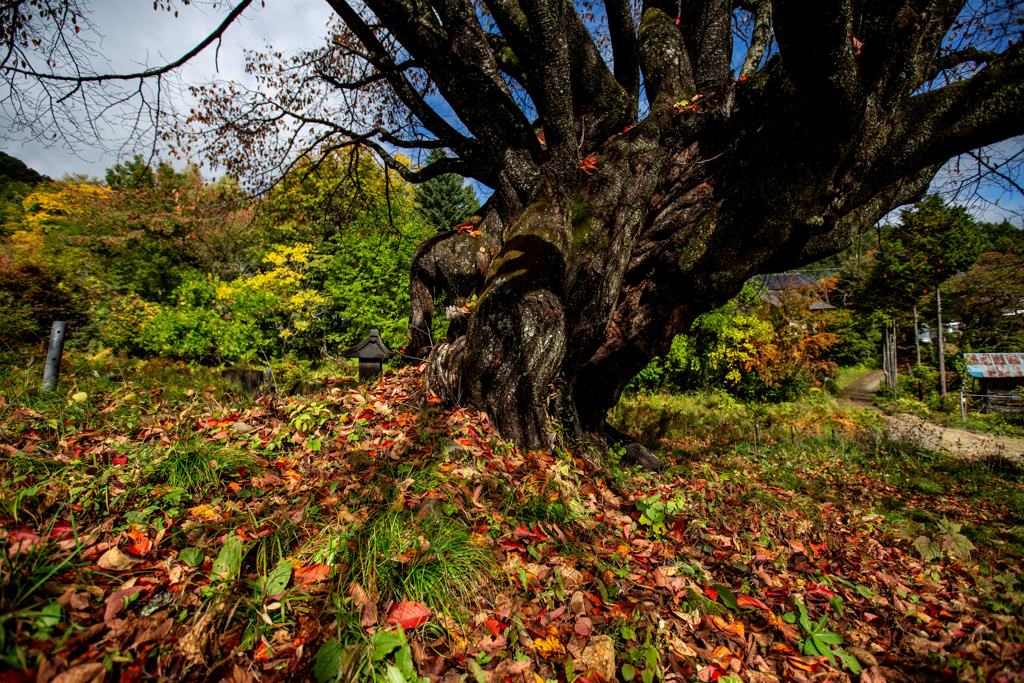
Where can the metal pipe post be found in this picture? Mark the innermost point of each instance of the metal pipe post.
(51, 371)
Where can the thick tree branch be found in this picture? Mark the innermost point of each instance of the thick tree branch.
(760, 37)
(596, 92)
(551, 70)
(708, 35)
(622, 32)
(802, 249)
(460, 64)
(938, 125)
(506, 59)
(668, 76)
(955, 59)
(383, 62)
(895, 57)
(814, 38)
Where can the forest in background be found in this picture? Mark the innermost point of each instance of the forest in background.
(151, 261)
(157, 262)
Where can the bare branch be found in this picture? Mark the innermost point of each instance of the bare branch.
(148, 73)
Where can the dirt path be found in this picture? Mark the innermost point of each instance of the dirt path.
(935, 437)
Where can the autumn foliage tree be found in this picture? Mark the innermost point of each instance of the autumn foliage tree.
(641, 175)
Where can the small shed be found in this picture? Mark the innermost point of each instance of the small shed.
(1000, 376)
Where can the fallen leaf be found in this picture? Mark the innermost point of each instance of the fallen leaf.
(409, 614)
(116, 601)
(138, 544)
(116, 561)
(93, 672)
(313, 573)
(365, 605)
(746, 601)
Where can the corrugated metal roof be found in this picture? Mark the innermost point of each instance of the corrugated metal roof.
(783, 281)
(995, 364)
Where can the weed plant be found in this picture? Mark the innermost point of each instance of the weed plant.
(435, 561)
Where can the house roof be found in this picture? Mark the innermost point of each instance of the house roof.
(782, 281)
(989, 365)
(371, 348)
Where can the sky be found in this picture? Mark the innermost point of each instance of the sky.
(134, 35)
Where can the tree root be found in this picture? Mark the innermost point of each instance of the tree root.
(636, 453)
(443, 375)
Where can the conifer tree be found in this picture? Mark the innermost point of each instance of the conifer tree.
(443, 201)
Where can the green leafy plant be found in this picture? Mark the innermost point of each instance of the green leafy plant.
(29, 572)
(948, 540)
(656, 512)
(644, 663)
(435, 562)
(818, 641)
(366, 660)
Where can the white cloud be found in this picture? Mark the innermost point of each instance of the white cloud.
(135, 35)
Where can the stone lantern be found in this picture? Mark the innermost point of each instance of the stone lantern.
(371, 352)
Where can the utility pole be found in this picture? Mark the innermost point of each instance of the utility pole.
(942, 345)
(917, 338)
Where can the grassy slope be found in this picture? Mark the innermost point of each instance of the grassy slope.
(155, 532)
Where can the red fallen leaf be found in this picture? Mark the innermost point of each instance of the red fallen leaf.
(139, 545)
(742, 79)
(820, 592)
(61, 528)
(710, 592)
(433, 399)
(120, 460)
(526, 532)
(494, 626)
(589, 165)
(23, 534)
(746, 601)
(313, 573)
(409, 614)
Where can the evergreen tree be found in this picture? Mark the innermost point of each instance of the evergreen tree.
(1005, 238)
(932, 242)
(443, 201)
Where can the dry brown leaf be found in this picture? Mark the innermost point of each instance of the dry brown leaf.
(93, 672)
(365, 605)
(116, 561)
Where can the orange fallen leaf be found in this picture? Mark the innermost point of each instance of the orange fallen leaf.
(263, 653)
(724, 626)
(313, 573)
(138, 544)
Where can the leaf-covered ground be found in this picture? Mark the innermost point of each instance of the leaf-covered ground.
(154, 532)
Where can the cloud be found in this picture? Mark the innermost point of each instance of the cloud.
(132, 35)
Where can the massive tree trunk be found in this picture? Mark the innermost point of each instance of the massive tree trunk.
(607, 235)
(593, 277)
